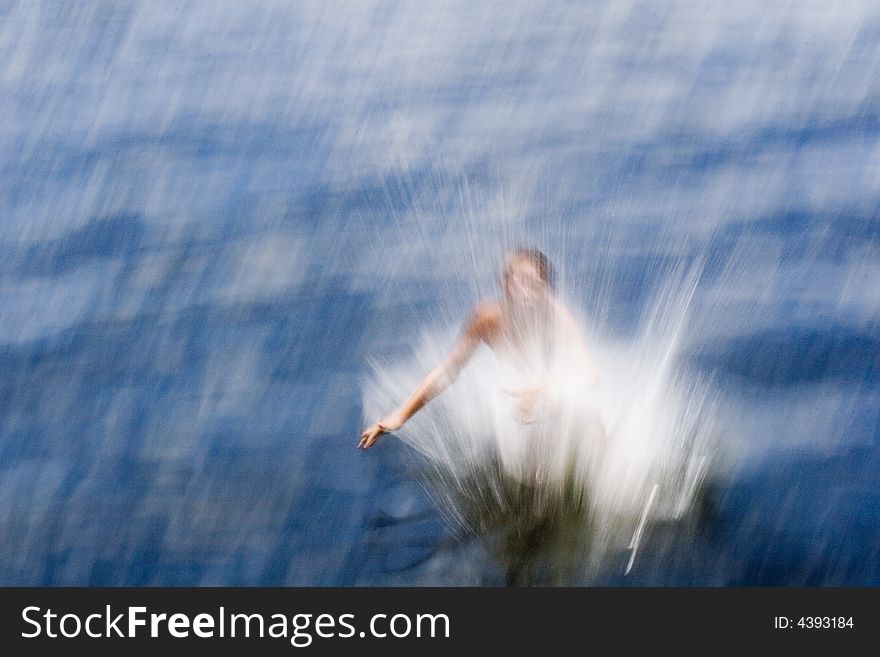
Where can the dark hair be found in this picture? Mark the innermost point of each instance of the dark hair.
(540, 262)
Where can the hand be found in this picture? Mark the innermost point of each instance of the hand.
(371, 434)
(530, 404)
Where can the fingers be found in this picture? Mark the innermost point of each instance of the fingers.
(527, 417)
(367, 438)
(525, 393)
(370, 436)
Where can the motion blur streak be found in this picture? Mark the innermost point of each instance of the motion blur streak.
(215, 215)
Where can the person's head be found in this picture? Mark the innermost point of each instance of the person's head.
(527, 277)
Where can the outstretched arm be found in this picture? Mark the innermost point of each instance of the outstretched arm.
(475, 329)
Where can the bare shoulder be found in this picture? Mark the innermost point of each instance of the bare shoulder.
(564, 314)
(485, 319)
(568, 321)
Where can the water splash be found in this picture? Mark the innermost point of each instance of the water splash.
(566, 492)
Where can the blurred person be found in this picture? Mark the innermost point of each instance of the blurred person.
(525, 329)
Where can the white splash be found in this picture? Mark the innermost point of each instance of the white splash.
(642, 432)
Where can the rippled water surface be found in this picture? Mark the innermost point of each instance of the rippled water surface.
(215, 215)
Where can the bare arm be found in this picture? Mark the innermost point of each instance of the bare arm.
(532, 400)
(582, 352)
(478, 327)
(591, 371)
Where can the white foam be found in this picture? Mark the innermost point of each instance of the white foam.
(644, 430)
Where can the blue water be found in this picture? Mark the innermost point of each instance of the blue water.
(213, 213)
